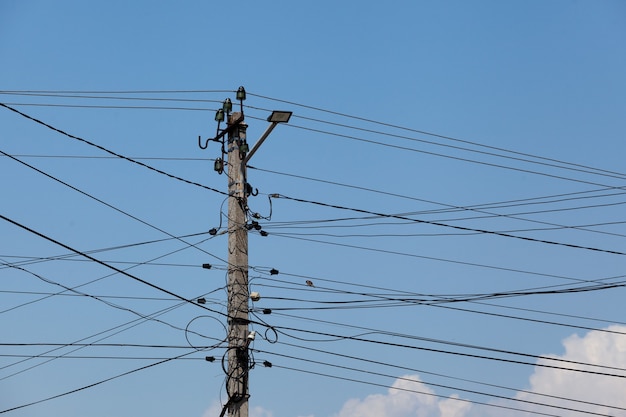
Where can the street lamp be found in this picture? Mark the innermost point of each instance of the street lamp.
(279, 116)
(275, 118)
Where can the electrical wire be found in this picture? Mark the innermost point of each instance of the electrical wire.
(491, 395)
(117, 270)
(422, 371)
(108, 205)
(336, 337)
(457, 227)
(73, 391)
(436, 135)
(343, 378)
(111, 152)
(446, 297)
(541, 160)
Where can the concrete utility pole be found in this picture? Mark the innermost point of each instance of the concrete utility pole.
(238, 358)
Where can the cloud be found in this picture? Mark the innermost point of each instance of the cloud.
(408, 396)
(605, 348)
(214, 410)
(260, 412)
(598, 348)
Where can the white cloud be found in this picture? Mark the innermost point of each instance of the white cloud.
(598, 348)
(214, 410)
(260, 412)
(408, 396)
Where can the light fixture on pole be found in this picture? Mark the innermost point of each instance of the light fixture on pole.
(275, 118)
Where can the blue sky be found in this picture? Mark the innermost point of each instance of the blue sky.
(465, 151)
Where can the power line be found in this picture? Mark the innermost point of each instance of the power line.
(492, 395)
(456, 158)
(450, 138)
(434, 223)
(550, 161)
(421, 371)
(107, 204)
(577, 167)
(432, 258)
(282, 330)
(96, 383)
(117, 270)
(111, 152)
(342, 378)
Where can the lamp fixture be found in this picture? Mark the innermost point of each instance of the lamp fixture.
(279, 116)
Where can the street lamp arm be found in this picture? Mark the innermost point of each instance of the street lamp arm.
(259, 142)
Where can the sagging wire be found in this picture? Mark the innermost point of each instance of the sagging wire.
(203, 348)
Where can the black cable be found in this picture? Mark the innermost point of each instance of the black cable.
(94, 297)
(450, 138)
(317, 373)
(438, 299)
(456, 208)
(501, 397)
(117, 270)
(586, 170)
(432, 223)
(456, 158)
(96, 383)
(28, 260)
(444, 298)
(281, 330)
(94, 106)
(113, 91)
(107, 204)
(111, 152)
(95, 344)
(138, 158)
(123, 327)
(421, 371)
(82, 96)
(412, 255)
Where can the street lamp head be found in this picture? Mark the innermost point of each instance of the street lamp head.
(279, 116)
(241, 94)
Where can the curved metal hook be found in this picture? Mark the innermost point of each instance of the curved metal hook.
(206, 144)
